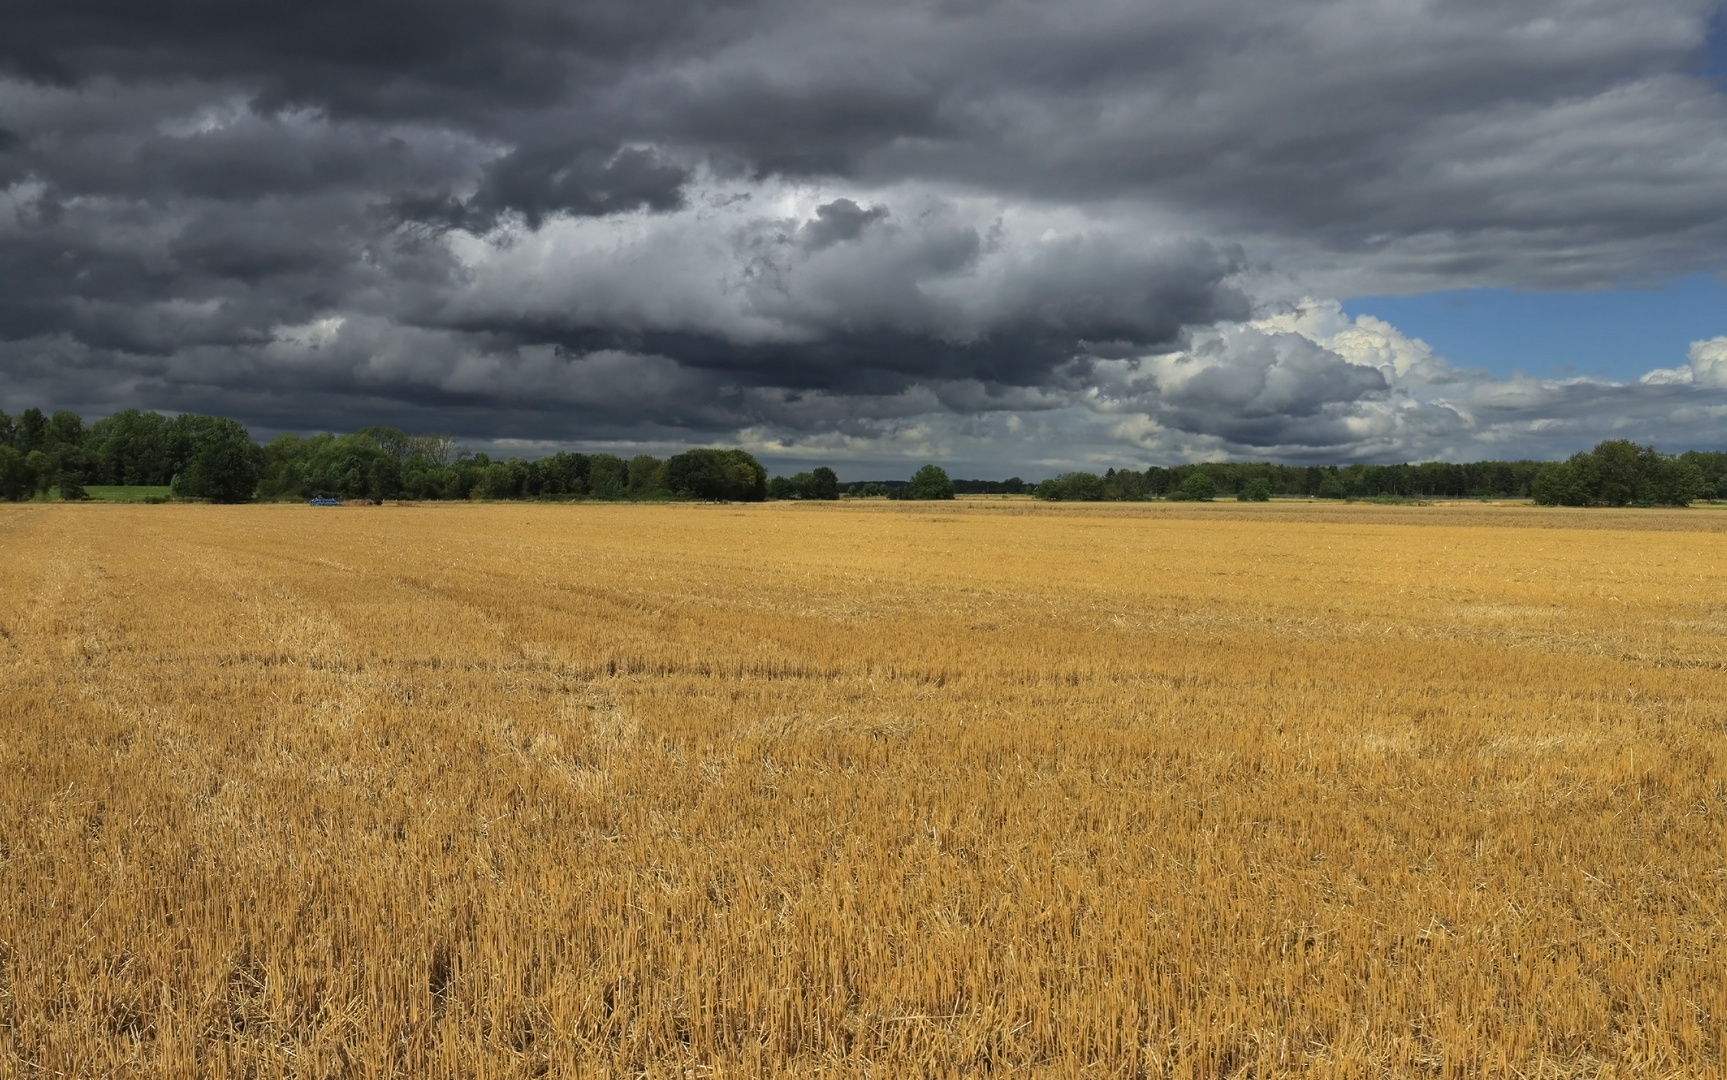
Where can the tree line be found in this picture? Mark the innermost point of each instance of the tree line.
(205, 457)
(1614, 473)
(935, 484)
(381, 463)
(214, 458)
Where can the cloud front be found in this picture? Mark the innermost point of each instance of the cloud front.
(1019, 237)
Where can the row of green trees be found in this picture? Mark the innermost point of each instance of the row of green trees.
(204, 457)
(932, 482)
(383, 463)
(820, 483)
(1430, 479)
(212, 457)
(1615, 473)
(1621, 473)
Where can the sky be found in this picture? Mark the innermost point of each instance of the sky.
(1014, 238)
(1608, 334)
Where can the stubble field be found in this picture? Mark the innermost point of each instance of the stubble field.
(862, 790)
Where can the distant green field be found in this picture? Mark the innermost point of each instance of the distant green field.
(127, 493)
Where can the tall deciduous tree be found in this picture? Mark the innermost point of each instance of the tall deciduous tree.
(647, 477)
(30, 430)
(824, 484)
(930, 482)
(224, 463)
(131, 447)
(608, 477)
(1198, 487)
(1620, 473)
(715, 474)
(17, 482)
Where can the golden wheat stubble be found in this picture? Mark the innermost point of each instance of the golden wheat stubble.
(861, 790)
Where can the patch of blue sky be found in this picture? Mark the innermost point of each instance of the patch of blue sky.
(1615, 334)
(1715, 49)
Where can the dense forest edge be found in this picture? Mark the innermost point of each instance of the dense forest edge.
(214, 459)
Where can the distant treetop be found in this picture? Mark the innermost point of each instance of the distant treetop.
(214, 458)
(930, 482)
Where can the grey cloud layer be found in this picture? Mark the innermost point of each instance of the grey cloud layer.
(842, 297)
(811, 221)
(1310, 384)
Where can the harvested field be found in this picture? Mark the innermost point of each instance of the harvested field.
(884, 790)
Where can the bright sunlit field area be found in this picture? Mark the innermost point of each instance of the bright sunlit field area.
(987, 788)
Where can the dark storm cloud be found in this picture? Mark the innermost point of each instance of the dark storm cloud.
(560, 218)
(541, 180)
(845, 299)
(1312, 117)
(382, 57)
(839, 220)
